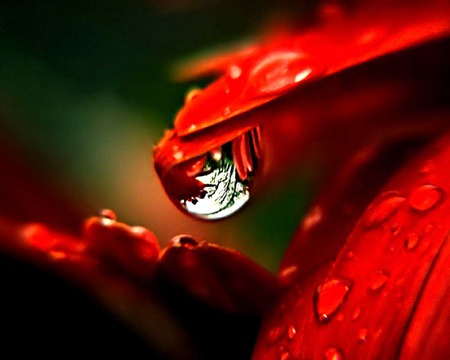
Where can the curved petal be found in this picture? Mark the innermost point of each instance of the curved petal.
(222, 277)
(365, 303)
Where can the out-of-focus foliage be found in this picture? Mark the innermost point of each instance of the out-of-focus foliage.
(85, 90)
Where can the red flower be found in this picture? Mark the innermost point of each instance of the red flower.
(362, 94)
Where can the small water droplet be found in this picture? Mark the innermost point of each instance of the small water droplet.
(356, 313)
(178, 155)
(425, 197)
(186, 241)
(382, 211)
(226, 111)
(362, 335)
(291, 332)
(350, 255)
(235, 71)
(108, 214)
(334, 354)
(313, 218)
(329, 297)
(411, 241)
(340, 317)
(288, 275)
(378, 280)
(395, 229)
(284, 356)
(191, 95)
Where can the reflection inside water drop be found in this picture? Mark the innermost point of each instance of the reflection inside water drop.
(216, 185)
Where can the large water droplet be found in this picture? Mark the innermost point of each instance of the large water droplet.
(279, 72)
(382, 211)
(329, 297)
(215, 185)
(378, 280)
(334, 354)
(425, 197)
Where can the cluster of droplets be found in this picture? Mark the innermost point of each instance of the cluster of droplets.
(331, 294)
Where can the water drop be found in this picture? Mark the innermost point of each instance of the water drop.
(378, 280)
(279, 72)
(411, 241)
(425, 197)
(329, 297)
(108, 214)
(184, 241)
(334, 354)
(191, 95)
(381, 212)
(291, 332)
(395, 229)
(216, 184)
(362, 335)
(356, 313)
(284, 356)
(235, 71)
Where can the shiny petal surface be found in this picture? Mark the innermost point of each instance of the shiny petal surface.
(382, 314)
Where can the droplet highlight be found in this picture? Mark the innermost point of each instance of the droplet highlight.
(378, 280)
(425, 197)
(329, 297)
(356, 313)
(291, 332)
(382, 211)
(108, 214)
(411, 241)
(362, 335)
(217, 184)
(334, 354)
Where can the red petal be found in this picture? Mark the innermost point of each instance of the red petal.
(222, 277)
(389, 278)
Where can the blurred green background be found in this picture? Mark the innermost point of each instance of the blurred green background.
(86, 91)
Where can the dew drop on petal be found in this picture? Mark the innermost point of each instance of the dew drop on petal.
(329, 297)
(362, 335)
(108, 214)
(395, 229)
(278, 72)
(381, 212)
(356, 313)
(291, 332)
(334, 354)
(191, 95)
(235, 71)
(425, 197)
(186, 241)
(378, 280)
(411, 241)
(284, 356)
